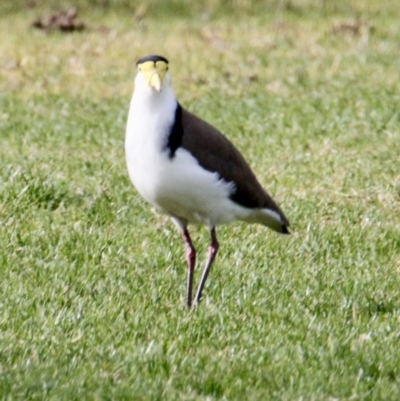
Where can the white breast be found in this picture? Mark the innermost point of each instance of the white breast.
(148, 126)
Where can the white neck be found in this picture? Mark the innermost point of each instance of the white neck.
(151, 113)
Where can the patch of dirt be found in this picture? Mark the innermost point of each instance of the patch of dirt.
(64, 21)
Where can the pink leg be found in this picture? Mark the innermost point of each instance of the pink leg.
(212, 253)
(191, 261)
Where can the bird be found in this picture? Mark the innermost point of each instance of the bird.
(187, 169)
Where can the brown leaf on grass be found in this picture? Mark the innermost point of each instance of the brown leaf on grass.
(354, 27)
(64, 21)
(30, 4)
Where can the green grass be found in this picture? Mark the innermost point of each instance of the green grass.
(92, 285)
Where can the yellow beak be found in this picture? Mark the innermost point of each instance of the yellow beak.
(155, 81)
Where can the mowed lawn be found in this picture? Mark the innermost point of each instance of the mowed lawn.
(93, 281)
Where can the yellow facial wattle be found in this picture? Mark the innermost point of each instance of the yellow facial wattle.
(154, 73)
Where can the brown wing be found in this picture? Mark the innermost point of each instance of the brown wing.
(217, 154)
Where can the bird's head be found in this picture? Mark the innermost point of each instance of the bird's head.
(152, 72)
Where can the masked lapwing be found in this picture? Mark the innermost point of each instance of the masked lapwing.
(187, 169)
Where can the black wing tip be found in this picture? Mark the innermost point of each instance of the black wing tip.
(285, 230)
(152, 57)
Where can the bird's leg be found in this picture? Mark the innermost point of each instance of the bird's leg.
(191, 261)
(212, 253)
